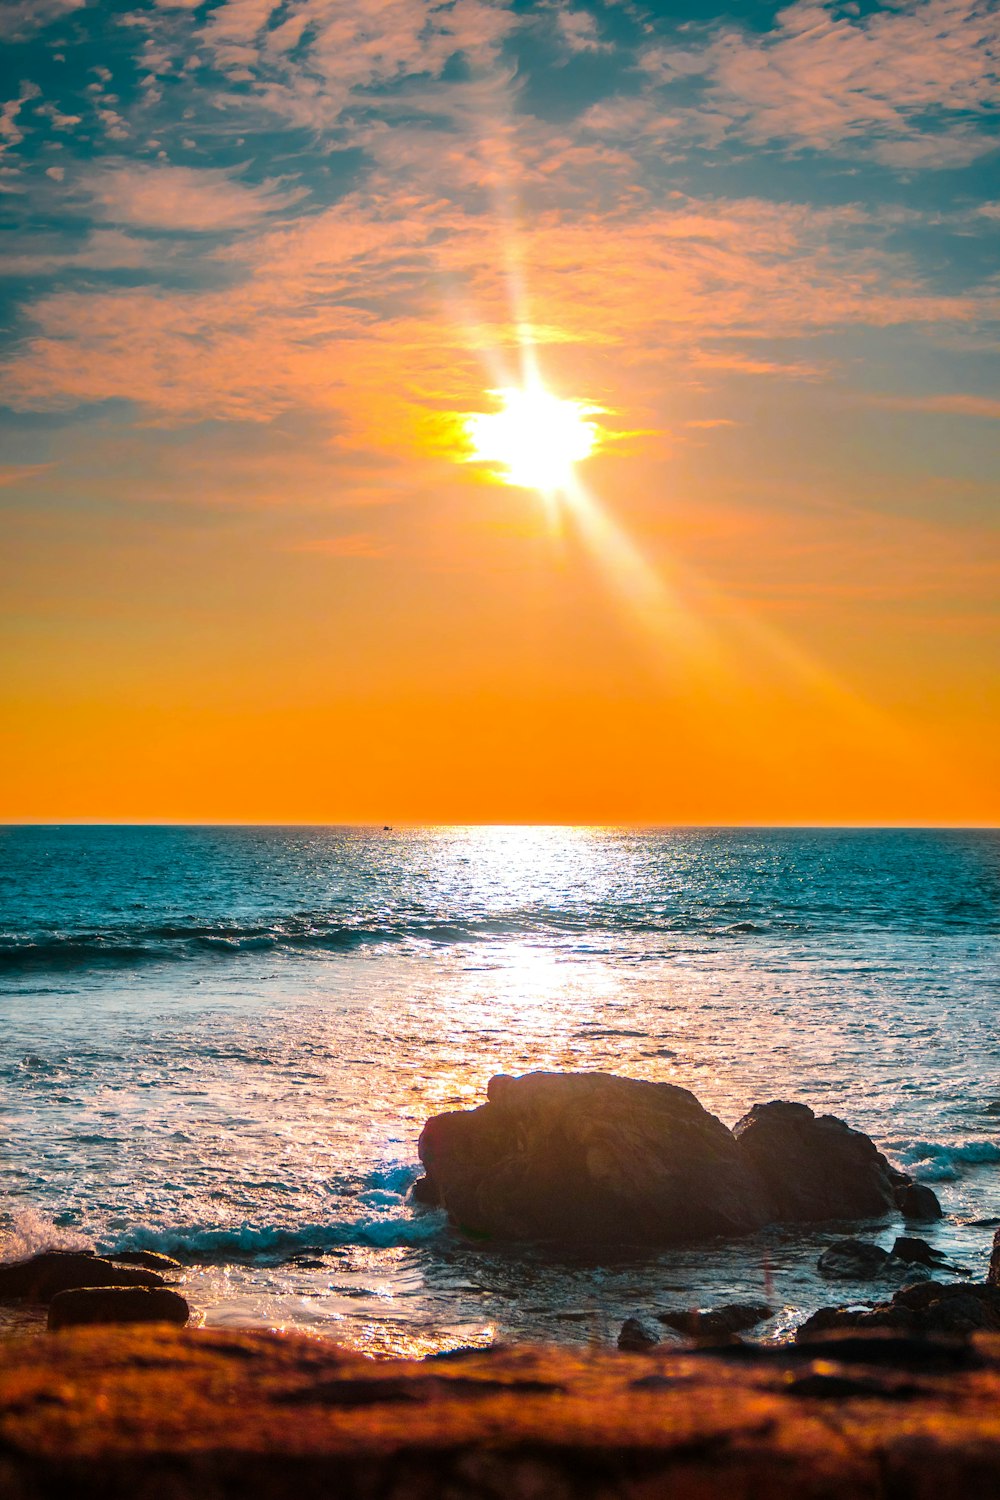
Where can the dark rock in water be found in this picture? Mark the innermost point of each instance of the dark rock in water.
(117, 1304)
(932, 1307)
(151, 1259)
(993, 1274)
(915, 1251)
(815, 1168)
(41, 1277)
(915, 1201)
(589, 1158)
(852, 1260)
(715, 1322)
(425, 1191)
(636, 1336)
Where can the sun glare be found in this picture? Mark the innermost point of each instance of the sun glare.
(535, 438)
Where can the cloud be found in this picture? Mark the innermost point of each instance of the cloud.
(11, 133)
(19, 19)
(16, 473)
(952, 403)
(307, 64)
(103, 250)
(829, 78)
(379, 312)
(165, 197)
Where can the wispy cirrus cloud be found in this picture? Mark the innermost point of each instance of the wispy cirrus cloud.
(159, 196)
(346, 312)
(909, 85)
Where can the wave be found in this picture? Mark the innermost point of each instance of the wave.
(171, 943)
(275, 1242)
(937, 1161)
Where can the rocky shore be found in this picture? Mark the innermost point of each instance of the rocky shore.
(896, 1394)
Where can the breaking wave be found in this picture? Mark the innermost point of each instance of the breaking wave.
(276, 1243)
(936, 1161)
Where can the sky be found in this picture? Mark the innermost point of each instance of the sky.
(265, 264)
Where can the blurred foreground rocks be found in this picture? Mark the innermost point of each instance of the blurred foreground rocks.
(589, 1158)
(197, 1415)
(83, 1288)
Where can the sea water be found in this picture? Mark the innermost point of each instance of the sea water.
(223, 1042)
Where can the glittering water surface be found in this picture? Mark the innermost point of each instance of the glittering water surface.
(223, 1043)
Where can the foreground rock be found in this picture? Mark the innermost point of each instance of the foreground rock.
(591, 1158)
(928, 1307)
(42, 1276)
(123, 1413)
(117, 1304)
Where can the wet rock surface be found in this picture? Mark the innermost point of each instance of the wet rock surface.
(815, 1167)
(917, 1201)
(910, 1258)
(118, 1413)
(636, 1336)
(41, 1277)
(715, 1322)
(929, 1307)
(592, 1158)
(117, 1304)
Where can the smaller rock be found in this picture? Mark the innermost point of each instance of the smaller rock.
(39, 1278)
(933, 1307)
(715, 1322)
(152, 1260)
(117, 1304)
(852, 1260)
(636, 1336)
(993, 1274)
(915, 1251)
(915, 1201)
(425, 1191)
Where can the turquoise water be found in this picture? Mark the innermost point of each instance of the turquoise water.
(223, 1042)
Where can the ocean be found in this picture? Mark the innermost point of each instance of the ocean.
(223, 1042)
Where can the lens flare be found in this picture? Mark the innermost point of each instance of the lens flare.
(535, 439)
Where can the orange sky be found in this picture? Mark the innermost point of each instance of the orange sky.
(249, 573)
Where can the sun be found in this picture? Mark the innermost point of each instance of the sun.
(535, 438)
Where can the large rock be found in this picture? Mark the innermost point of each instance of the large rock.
(117, 1304)
(993, 1274)
(815, 1168)
(589, 1158)
(42, 1276)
